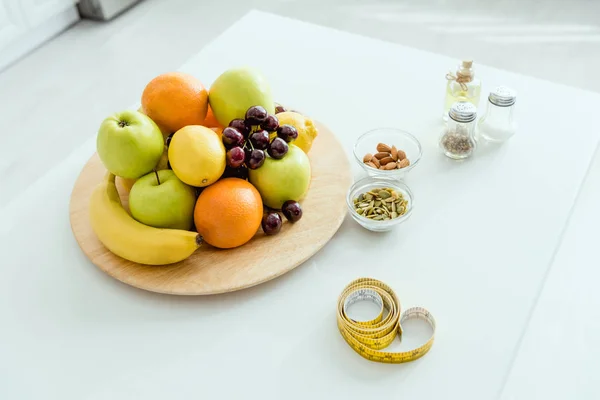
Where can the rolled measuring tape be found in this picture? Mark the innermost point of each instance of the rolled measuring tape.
(368, 338)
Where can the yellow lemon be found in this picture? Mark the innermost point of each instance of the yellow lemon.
(197, 155)
(307, 131)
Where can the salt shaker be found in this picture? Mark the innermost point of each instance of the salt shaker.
(498, 125)
(458, 138)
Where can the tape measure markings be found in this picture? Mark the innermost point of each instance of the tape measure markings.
(368, 338)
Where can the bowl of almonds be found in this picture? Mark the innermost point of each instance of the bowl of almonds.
(387, 152)
(379, 204)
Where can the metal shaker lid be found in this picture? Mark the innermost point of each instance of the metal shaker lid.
(463, 111)
(503, 96)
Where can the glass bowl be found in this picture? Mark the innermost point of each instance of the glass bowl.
(367, 143)
(368, 183)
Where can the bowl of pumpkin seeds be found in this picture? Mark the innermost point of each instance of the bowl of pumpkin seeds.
(379, 204)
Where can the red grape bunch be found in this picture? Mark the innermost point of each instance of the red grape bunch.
(248, 141)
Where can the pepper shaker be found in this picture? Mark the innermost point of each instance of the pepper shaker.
(458, 138)
(498, 125)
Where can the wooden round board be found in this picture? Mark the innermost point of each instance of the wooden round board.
(210, 270)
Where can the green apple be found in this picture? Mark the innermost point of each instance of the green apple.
(285, 179)
(129, 144)
(235, 91)
(163, 202)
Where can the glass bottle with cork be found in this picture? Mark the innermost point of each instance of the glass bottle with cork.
(462, 86)
(458, 137)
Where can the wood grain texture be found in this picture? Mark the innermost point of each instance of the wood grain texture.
(210, 270)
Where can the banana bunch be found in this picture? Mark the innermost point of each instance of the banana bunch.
(132, 240)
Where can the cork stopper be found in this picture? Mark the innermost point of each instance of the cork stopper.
(467, 64)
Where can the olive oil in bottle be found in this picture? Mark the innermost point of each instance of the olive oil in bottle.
(462, 86)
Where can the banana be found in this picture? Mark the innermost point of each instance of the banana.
(132, 240)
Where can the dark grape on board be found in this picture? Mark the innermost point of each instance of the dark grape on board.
(291, 210)
(271, 223)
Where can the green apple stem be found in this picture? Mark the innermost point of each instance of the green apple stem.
(157, 180)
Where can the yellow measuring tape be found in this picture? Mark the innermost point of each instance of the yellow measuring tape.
(367, 338)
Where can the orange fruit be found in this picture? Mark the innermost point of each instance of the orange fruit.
(218, 131)
(174, 100)
(210, 120)
(228, 213)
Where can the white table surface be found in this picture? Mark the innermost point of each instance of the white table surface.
(476, 252)
(558, 357)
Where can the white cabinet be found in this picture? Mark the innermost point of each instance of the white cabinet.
(25, 24)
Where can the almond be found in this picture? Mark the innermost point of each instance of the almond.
(376, 162)
(401, 155)
(391, 165)
(385, 161)
(370, 164)
(394, 153)
(382, 167)
(381, 155)
(383, 148)
(367, 157)
(403, 163)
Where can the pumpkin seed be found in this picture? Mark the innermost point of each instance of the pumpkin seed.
(380, 204)
(384, 194)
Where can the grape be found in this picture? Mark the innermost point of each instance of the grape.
(257, 159)
(169, 138)
(255, 115)
(232, 137)
(248, 153)
(235, 157)
(271, 223)
(279, 108)
(240, 125)
(291, 210)
(241, 172)
(260, 140)
(271, 123)
(278, 148)
(287, 132)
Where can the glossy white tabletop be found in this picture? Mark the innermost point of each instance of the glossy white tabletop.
(476, 251)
